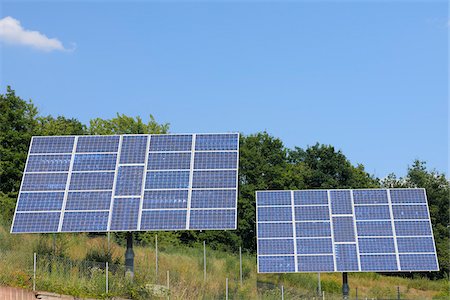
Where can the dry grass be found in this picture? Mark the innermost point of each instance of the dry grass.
(185, 266)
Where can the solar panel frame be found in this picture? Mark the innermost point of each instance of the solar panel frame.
(424, 256)
(164, 145)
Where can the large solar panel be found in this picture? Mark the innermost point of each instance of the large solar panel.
(129, 183)
(379, 230)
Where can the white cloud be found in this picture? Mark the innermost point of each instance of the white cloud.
(12, 32)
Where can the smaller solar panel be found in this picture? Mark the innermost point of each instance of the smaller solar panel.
(377, 230)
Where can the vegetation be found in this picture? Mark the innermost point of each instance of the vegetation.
(265, 163)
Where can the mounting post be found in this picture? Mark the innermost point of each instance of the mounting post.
(345, 287)
(129, 256)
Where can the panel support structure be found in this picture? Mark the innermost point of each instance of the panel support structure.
(129, 256)
(345, 287)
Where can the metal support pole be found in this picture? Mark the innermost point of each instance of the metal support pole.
(226, 288)
(282, 292)
(345, 287)
(319, 285)
(240, 264)
(129, 256)
(356, 291)
(109, 246)
(34, 271)
(107, 283)
(204, 260)
(156, 257)
(398, 293)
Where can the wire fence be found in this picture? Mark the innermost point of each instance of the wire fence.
(102, 279)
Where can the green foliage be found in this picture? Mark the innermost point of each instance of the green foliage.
(328, 168)
(123, 124)
(101, 253)
(59, 126)
(53, 245)
(17, 121)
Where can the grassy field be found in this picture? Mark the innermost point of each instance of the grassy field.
(71, 274)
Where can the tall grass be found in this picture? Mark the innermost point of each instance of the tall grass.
(71, 272)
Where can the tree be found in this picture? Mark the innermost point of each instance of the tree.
(59, 126)
(123, 124)
(17, 122)
(329, 168)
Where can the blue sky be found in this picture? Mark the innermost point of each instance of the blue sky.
(370, 77)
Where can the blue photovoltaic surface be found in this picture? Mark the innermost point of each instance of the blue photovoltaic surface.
(316, 263)
(99, 200)
(378, 230)
(278, 246)
(48, 163)
(109, 183)
(166, 199)
(40, 201)
(125, 214)
(129, 181)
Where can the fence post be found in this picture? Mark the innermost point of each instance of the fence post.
(156, 257)
(107, 283)
(226, 288)
(282, 292)
(356, 290)
(204, 260)
(34, 271)
(240, 264)
(398, 293)
(168, 286)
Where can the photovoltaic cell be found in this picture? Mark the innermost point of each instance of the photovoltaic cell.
(44, 182)
(171, 143)
(274, 198)
(85, 221)
(94, 162)
(214, 179)
(98, 143)
(310, 197)
(212, 219)
(167, 180)
(276, 264)
(88, 200)
(92, 181)
(216, 142)
(52, 144)
(314, 246)
(169, 161)
(133, 150)
(125, 214)
(104, 183)
(129, 181)
(370, 230)
(36, 222)
(278, 246)
(40, 201)
(316, 263)
(275, 214)
(163, 220)
(213, 198)
(48, 163)
(165, 199)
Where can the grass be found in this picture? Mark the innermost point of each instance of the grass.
(70, 274)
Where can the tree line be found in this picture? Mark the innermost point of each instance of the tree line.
(264, 163)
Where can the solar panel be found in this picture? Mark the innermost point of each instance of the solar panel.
(382, 230)
(129, 183)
